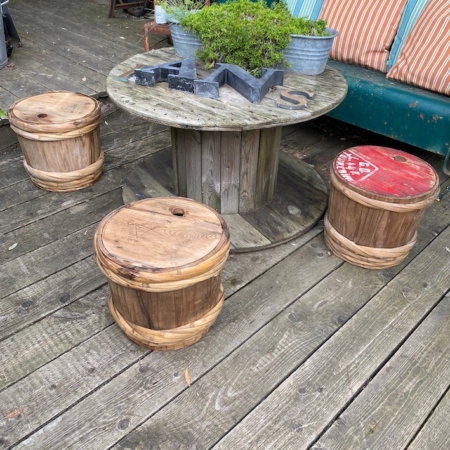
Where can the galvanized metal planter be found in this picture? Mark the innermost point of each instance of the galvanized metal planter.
(309, 54)
(185, 43)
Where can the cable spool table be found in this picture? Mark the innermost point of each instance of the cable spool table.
(225, 152)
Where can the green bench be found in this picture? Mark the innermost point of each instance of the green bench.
(394, 109)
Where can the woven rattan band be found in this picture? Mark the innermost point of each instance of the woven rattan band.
(367, 257)
(165, 286)
(379, 204)
(67, 181)
(46, 137)
(171, 339)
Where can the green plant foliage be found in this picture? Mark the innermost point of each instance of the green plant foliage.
(308, 27)
(178, 9)
(246, 33)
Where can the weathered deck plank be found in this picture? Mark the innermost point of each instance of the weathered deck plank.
(42, 63)
(57, 333)
(59, 52)
(309, 400)
(435, 434)
(393, 406)
(17, 215)
(101, 361)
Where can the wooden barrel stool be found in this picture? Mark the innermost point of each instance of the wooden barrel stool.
(378, 196)
(163, 258)
(59, 134)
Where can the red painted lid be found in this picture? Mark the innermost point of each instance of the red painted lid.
(385, 172)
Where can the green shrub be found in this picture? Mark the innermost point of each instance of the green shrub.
(248, 34)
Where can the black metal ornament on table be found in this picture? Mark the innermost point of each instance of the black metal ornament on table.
(182, 76)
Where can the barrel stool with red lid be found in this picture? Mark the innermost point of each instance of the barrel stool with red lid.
(163, 258)
(59, 134)
(378, 196)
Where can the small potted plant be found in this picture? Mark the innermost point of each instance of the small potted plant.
(185, 42)
(250, 34)
(310, 45)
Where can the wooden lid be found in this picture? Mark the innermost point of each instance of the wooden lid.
(54, 112)
(162, 239)
(386, 174)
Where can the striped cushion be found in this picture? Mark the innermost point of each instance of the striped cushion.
(410, 15)
(366, 30)
(424, 60)
(305, 8)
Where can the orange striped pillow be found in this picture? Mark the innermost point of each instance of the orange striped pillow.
(425, 58)
(366, 30)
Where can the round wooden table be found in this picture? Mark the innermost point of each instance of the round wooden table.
(225, 152)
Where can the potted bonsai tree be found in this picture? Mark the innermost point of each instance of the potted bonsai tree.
(251, 34)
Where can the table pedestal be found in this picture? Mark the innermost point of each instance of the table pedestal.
(233, 172)
(267, 197)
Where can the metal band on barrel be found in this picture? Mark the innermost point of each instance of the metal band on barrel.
(67, 181)
(61, 136)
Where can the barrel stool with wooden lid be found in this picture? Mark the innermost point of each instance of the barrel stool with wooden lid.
(163, 258)
(59, 134)
(378, 196)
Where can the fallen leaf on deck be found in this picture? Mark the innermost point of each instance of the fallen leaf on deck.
(14, 413)
(12, 247)
(187, 377)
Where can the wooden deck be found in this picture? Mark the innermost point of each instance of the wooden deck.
(68, 46)
(308, 352)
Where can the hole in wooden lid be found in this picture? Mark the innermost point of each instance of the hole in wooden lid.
(180, 212)
(400, 158)
(41, 116)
